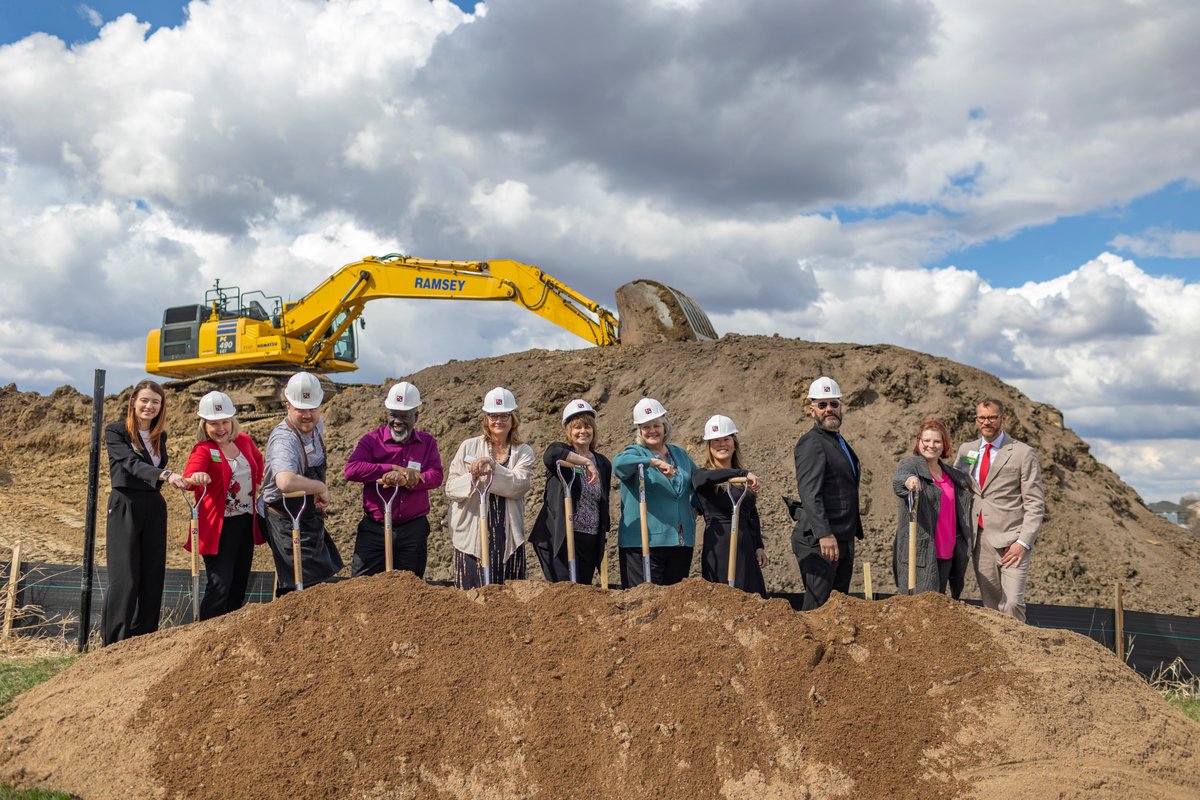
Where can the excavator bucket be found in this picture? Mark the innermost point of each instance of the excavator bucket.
(654, 312)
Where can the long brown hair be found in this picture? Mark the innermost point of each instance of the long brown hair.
(514, 433)
(159, 422)
(735, 462)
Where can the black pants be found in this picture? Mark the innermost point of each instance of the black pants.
(136, 541)
(668, 565)
(410, 547)
(589, 549)
(821, 577)
(227, 573)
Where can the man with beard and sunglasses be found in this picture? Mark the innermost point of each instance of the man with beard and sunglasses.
(827, 516)
(395, 457)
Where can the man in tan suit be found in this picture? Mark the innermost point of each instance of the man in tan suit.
(1008, 508)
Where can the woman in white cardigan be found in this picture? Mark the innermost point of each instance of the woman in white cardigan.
(499, 456)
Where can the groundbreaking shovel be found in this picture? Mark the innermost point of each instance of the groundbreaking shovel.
(297, 567)
(569, 511)
(645, 528)
(485, 542)
(733, 526)
(387, 523)
(912, 542)
(194, 535)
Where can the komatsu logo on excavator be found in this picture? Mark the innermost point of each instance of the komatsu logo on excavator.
(439, 284)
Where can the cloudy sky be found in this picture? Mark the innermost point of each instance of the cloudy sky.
(1011, 184)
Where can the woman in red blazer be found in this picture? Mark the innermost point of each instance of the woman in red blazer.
(226, 463)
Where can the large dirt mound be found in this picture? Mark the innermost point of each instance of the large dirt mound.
(1098, 530)
(386, 687)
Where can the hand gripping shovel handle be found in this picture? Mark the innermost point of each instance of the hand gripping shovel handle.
(387, 523)
(912, 542)
(485, 543)
(569, 512)
(733, 525)
(645, 528)
(297, 565)
(194, 537)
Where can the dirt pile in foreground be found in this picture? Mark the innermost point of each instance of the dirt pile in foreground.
(386, 687)
(1097, 532)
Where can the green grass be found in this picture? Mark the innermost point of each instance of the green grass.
(1190, 706)
(1180, 687)
(16, 676)
(33, 794)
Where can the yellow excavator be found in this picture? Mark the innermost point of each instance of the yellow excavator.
(252, 335)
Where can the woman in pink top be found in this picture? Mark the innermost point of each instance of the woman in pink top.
(943, 514)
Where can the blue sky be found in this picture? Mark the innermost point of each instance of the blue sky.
(1012, 185)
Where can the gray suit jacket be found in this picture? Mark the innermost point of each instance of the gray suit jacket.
(1011, 500)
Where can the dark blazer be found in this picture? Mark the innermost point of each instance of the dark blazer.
(129, 466)
(828, 491)
(928, 507)
(550, 524)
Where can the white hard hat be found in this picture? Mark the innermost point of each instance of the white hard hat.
(304, 391)
(577, 406)
(647, 410)
(718, 426)
(402, 397)
(824, 389)
(215, 406)
(499, 401)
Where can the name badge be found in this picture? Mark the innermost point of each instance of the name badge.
(309, 449)
(215, 454)
(415, 465)
(972, 456)
(468, 459)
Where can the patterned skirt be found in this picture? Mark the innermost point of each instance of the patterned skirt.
(468, 570)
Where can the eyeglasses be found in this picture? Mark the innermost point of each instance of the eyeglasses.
(824, 404)
(993, 418)
(498, 417)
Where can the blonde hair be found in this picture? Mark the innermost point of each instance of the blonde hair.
(202, 434)
(666, 431)
(514, 433)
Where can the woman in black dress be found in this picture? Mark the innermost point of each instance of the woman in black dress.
(723, 462)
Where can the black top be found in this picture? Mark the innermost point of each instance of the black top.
(827, 486)
(718, 508)
(129, 465)
(550, 525)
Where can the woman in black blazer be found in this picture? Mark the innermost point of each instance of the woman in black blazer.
(589, 496)
(136, 531)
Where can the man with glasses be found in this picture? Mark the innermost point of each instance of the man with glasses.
(827, 516)
(395, 457)
(1008, 508)
(295, 462)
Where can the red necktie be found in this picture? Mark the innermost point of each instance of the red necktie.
(983, 471)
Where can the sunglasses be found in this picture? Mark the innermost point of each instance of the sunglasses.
(824, 404)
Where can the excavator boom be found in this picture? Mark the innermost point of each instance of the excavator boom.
(315, 333)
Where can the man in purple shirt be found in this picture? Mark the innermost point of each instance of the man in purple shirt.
(395, 456)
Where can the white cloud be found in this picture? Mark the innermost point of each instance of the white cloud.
(1160, 243)
(790, 165)
(91, 15)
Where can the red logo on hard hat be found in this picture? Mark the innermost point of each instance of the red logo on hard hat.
(579, 405)
(714, 428)
(399, 397)
(826, 389)
(648, 410)
(306, 395)
(499, 401)
(218, 407)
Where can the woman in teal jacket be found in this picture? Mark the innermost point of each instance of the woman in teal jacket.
(671, 503)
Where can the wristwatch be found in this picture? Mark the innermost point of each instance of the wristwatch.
(166, 475)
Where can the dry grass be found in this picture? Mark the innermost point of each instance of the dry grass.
(1179, 686)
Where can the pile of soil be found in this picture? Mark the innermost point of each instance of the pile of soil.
(1097, 531)
(386, 687)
